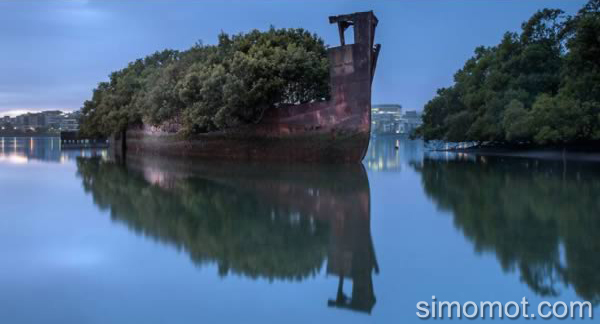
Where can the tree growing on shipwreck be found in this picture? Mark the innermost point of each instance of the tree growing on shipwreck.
(210, 87)
(277, 95)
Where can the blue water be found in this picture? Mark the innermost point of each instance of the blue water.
(86, 238)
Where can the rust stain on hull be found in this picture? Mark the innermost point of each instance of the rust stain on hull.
(337, 130)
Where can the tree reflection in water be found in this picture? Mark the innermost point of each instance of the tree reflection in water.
(273, 222)
(540, 217)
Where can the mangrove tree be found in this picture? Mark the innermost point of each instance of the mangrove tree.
(537, 87)
(212, 87)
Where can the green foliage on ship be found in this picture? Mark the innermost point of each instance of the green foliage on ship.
(212, 87)
(537, 87)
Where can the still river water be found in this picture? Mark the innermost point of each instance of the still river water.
(87, 240)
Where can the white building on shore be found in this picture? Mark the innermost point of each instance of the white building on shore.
(388, 119)
(53, 120)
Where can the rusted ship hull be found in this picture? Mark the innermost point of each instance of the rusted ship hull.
(337, 130)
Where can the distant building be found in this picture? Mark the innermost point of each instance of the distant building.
(409, 122)
(69, 121)
(30, 121)
(385, 119)
(36, 121)
(22, 121)
(51, 120)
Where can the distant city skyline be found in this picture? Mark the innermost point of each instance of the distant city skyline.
(55, 52)
(15, 113)
(53, 120)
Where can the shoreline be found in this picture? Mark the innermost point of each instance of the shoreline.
(29, 135)
(548, 153)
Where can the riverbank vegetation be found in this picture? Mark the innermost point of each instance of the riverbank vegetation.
(537, 87)
(212, 87)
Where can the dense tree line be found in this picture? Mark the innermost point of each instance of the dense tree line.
(211, 87)
(537, 87)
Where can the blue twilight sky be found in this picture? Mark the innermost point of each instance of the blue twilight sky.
(53, 53)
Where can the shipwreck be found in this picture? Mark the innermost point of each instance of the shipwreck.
(336, 130)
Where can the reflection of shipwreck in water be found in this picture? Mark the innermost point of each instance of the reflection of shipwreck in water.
(333, 130)
(351, 255)
(279, 224)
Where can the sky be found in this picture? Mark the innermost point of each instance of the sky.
(53, 53)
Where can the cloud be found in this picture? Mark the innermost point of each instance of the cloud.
(38, 98)
(14, 113)
(79, 14)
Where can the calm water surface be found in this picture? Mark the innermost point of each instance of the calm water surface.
(84, 239)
